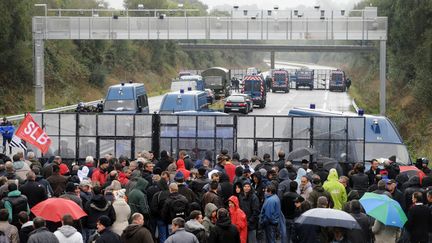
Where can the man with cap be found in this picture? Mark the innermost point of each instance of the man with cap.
(392, 167)
(250, 205)
(317, 192)
(105, 234)
(101, 173)
(183, 189)
(394, 191)
(86, 192)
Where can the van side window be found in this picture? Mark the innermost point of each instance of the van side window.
(142, 101)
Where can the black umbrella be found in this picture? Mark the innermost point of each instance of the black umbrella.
(300, 153)
(330, 163)
(327, 217)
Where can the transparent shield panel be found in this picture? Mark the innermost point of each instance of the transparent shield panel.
(205, 145)
(323, 147)
(67, 147)
(68, 124)
(321, 129)
(245, 148)
(124, 147)
(356, 128)
(264, 127)
(297, 144)
(224, 120)
(301, 127)
(106, 125)
(168, 131)
(338, 128)
(282, 127)
(206, 126)
(168, 119)
(224, 132)
(227, 144)
(125, 125)
(265, 148)
(142, 144)
(169, 145)
(339, 151)
(187, 126)
(51, 123)
(87, 147)
(280, 146)
(355, 151)
(53, 148)
(244, 125)
(186, 144)
(106, 146)
(143, 125)
(87, 125)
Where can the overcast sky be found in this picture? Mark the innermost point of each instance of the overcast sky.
(269, 4)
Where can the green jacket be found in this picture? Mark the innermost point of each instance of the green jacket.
(336, 189)
(137, 199)
(8, 205)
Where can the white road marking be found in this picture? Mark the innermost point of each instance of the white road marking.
(325, 99)
(291, 97)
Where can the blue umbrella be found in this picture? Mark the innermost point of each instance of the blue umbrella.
(383, 209)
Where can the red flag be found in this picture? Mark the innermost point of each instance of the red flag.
(30, 132)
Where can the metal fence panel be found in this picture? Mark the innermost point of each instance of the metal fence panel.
(106, 125)
(124, 125)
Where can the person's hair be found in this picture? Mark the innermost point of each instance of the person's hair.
(236, 156)
(136, 216)
(214, 185)
(194, 214)
(16, 157)
(215, 175)
(12, 187)
(418, 196)
(360, 167)
(266, 156)
(271, 188)
(381, 185)
(36, 170)
(305, 206)
(55, 168)
(166, 173)
(4, 214)
(23, 217)
(322, 202)
(89, 159)
(182, 153)
(179, 222)
(281, 154)
(374, 160)
(30, 155)
(117, 166)
(31, 176)
(305, 176)
(67, 220)
(173, 187)
(355, 206)
(293, 186)
(38, 222)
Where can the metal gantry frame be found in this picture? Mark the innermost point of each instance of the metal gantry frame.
(287, 25)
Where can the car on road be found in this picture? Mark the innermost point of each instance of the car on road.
(236, 103)
(248, 99)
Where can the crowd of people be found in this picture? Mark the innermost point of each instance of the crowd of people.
(167, 199)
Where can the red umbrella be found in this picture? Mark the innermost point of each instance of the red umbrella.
(53, 209)
(411, 171)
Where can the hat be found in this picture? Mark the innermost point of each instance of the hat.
(246, 182)
(392, 158)
(104, 220)
(202, 171)
(246, 170)
(70, 187)
(179, 176)
(299, 199)
(391, 181)
(316, 181)
(85, 183)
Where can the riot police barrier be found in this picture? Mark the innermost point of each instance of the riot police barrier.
(77, 135)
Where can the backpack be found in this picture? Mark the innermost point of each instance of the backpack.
(179, 208)
(3, 237)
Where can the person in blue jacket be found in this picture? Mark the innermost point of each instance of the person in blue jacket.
(271, 217)
(7, 131)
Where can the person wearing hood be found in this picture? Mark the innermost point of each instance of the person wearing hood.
(224, 231)
(164, 161)
(209, 221)
(181, 167)
(321, 171)
(132, 180)
(15, 203)
(194, 226)
(229, 169)
(284, 182)
(336, 189)
(21, 168)
(226, 187)
(413, 186)
(250, 205)
(96, 207)
(238, 175)
(258, 186)
(238, 218)
(67, 233)
(122, 211)
(317, 192)
(136, 232)
(137, 199)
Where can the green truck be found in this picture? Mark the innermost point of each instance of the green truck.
(218, 79)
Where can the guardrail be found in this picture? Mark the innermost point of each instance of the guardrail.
(354, 104)
(58, 109)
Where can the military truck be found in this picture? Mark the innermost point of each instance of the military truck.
(218, 79)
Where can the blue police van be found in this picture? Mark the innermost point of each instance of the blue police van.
(191, 100)
(126, 98)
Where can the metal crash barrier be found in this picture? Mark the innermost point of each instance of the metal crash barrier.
(76, 135)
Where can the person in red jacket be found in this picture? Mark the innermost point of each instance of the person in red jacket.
(229, 168)
(238, 218)
(181, 167)
(100, 174)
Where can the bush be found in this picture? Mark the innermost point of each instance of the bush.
(98, 75)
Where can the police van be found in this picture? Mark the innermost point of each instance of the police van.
(190, 100)
(255, 87)
(127, 98)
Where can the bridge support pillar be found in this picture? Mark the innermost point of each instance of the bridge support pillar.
(39, 75)
(382, 74)
(272, 60)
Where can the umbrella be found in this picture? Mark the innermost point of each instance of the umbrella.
(411, 171)
(301, 152)
(53, 209)
(330, 163)
(383, 209)
(327, 217)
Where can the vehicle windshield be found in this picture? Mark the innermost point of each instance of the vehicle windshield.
(173, 103)
(252, 86)
(237, 98)
(337, 77)
(213, 80)
(279, 76)
(119, 105)
(385, 150)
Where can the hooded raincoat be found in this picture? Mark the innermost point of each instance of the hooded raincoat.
(207, 222)
(138, 200)
(238, 218)
(182, 167)
(336, 189)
